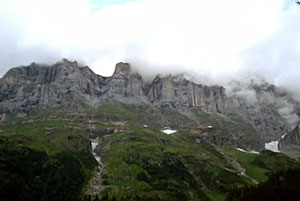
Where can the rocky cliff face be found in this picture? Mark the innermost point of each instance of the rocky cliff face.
(176, 91)
(32, 87)
(290, 139)
(66, 85)
(270, 110)
(123, 86)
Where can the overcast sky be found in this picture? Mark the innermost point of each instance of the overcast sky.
(215, 39)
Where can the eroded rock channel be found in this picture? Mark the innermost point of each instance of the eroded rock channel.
(94, 187)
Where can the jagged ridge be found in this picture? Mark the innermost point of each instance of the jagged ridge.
(63, 84)
(66, 85)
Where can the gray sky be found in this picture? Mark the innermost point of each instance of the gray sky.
(219, 39)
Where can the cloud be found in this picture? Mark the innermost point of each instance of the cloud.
(277, 58)
(211, 40)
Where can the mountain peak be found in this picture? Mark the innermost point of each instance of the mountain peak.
(66, 62)
(123, 68)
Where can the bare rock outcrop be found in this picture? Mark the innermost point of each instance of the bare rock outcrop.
(179, 92)
(261, 106)
(61, 85)
(290, 139)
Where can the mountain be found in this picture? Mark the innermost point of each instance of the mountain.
(67, 133)
(66, 85)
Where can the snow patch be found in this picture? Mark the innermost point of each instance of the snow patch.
(242, 150)
(251, 152)
(254, 152)
(169, 131)
(272, 146)
(283, 136)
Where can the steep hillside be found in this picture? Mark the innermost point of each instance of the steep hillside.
(44, 159)
(143, 164)
(49, 153)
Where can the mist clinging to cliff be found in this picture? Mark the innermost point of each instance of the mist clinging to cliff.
(212, 41)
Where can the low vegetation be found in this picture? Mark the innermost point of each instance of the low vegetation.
(48, 156)
(44, 161)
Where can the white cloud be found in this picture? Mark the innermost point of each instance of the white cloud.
(206, 38)
(277, 57)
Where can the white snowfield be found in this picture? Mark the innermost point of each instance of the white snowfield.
(169, 131)
(251, 152)
(272, 146)
(242, 150)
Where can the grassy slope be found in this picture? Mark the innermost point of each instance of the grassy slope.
(140, 163)
(143, 162)
(229, 130)
(44, 160)
(152, 165)
(146, 163)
